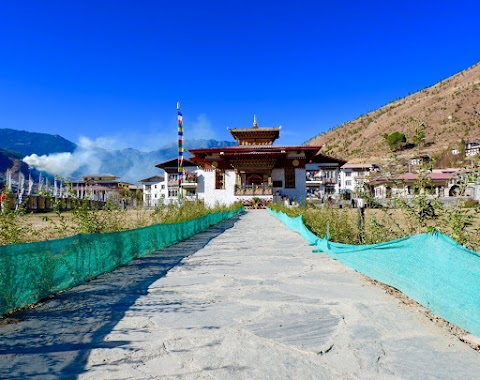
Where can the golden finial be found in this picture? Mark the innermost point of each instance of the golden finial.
(255, 124)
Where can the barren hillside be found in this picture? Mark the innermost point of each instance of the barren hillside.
(450, 110)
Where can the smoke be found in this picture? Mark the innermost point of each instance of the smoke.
(201, 128)
(65, 164)
(131, 155)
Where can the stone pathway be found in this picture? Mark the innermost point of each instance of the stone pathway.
(246, 299)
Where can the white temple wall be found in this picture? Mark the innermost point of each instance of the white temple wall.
(299, 193)
(212, 196)
(206, 187)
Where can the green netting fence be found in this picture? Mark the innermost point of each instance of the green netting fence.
(32, 271)
(432, 269)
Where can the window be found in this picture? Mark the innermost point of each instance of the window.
(348, 183)
(289, 178)
(155, 186)
(277, 184)
(219, 179)
(172, 192)
(348, 174)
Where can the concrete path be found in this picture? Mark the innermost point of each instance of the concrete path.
(248, 302)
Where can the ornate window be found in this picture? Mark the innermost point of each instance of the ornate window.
(219, 179)
(289, 178)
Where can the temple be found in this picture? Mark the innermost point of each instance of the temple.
(253, 169)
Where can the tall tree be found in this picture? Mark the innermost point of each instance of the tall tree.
(419, 137)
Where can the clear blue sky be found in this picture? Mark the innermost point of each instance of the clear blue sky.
(113, 70)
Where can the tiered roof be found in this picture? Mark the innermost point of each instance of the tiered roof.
(255, 135)
(255, 151)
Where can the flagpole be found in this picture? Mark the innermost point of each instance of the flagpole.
(180, 153)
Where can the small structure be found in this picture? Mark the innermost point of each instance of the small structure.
(420, 160)
(472, 148)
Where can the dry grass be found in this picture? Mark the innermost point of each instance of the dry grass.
(448, 109)
(48, 226)
(16, 227)
(386, 224)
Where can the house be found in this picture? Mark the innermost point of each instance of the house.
(472, 149)
(153, 190)
(255, 169)
(170, 183)
(354, 176)
(100, 187)
(438, 182)
(420, 160)
(323, 176)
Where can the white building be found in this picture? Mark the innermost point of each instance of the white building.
(323, 176)
(153, 191)
(472, 149)
(101, 187)
(355, 176)
(170, 183)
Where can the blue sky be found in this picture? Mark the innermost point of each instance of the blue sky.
(112, 70)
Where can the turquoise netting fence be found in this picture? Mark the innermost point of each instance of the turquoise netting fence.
(432, 269)
(30, 272)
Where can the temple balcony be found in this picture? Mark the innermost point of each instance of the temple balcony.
(253, 190)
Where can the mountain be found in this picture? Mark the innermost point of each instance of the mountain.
(448, 110)
(32, 142)
(54, 155)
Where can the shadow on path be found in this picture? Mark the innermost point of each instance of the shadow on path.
(54, 340)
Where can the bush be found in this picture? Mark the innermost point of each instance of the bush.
(395, 140)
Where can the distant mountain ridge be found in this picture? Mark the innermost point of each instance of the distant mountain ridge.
(450, 111)
(33, 142)
(131, 165)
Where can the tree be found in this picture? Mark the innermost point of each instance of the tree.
(395, 140)
(419, 138)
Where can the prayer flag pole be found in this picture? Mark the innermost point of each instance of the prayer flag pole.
(180, 153)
